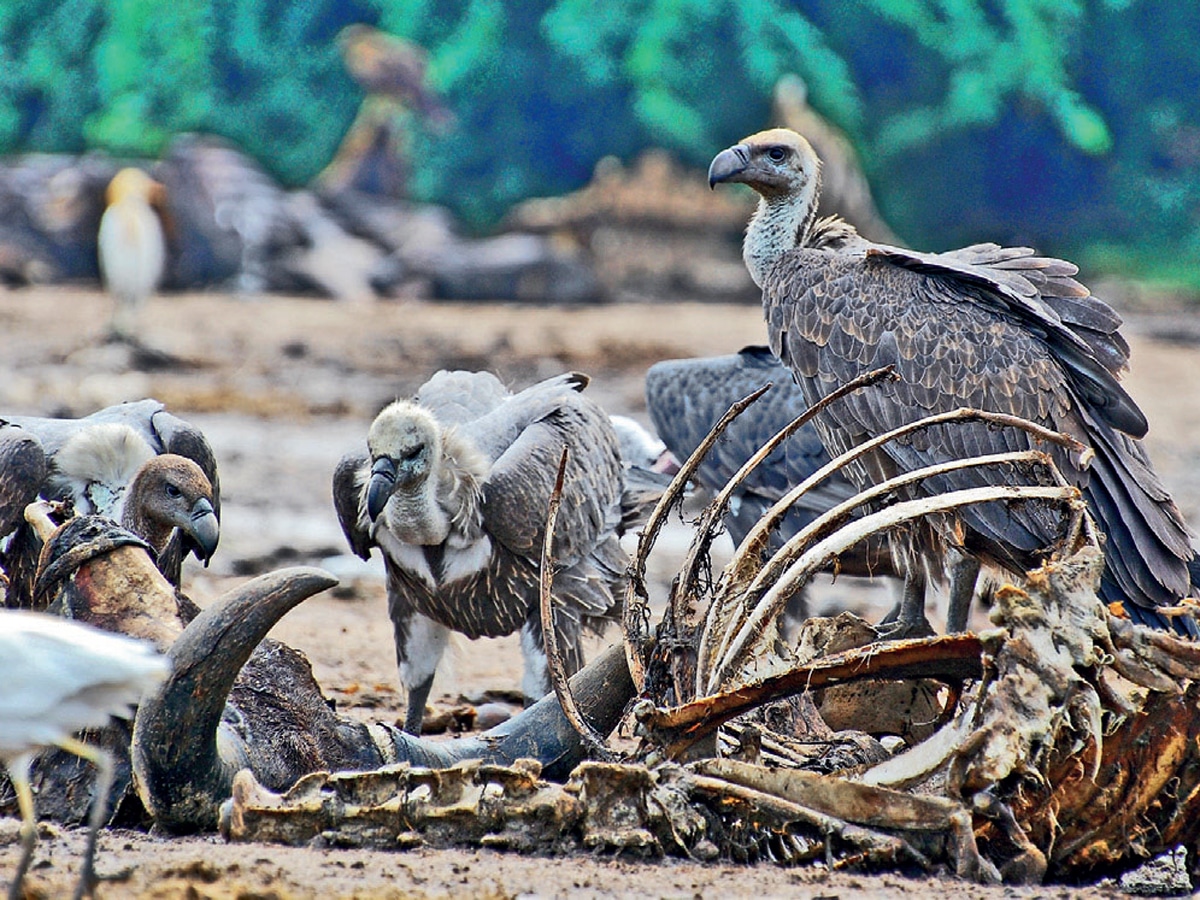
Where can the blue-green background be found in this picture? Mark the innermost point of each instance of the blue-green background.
(1074, 126)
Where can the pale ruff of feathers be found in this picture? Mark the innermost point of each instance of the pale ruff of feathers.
(446, 508)
(98, 464)
(778, 225)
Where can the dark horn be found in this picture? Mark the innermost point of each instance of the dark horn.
(180, 776)
(542, 732)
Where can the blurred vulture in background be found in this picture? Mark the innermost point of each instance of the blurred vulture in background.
(454, 487)
(391, 71)
(845, 189)
(986, 327)
(134, 463)
(131, 246)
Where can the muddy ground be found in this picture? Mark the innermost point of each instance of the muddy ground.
(284, 386)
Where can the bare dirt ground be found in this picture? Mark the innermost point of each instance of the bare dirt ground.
(283, 387)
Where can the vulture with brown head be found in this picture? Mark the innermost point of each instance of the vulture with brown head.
(989, 327)
(134, 463)
(454, 487)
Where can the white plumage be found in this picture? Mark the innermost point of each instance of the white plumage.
(60, 677)
(98, 463)
(131, 246)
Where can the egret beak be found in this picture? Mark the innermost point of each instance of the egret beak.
(379, 489)
(728, 165)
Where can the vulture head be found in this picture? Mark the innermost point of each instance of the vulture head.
(403, 442)
(783, 169)
(170, 492)
(775, 163)
(419, 471)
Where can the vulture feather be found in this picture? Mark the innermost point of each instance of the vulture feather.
(134, 463)
(454, 487)
(990, 327)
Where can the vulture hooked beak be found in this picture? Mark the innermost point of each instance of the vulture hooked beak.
(379, 489)
(204, 528)
(728, 165)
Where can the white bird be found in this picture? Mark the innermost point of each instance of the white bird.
(131, 246)
(60, 677)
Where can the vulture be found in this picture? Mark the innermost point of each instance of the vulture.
(131, 245)
(453, 488)
(134, 462)
(686, 398)
(990, 327)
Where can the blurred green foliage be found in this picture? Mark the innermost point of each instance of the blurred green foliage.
(1070, 124)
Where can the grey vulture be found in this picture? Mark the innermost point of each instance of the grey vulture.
(686, 397)
(989, 327)
(134, 462)
(453, 488)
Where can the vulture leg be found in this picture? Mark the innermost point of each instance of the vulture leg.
(536, 682)
(964, 572)
(910, 622)
(420, 643)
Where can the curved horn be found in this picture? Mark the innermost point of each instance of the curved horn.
(180, 774)
(542, 732)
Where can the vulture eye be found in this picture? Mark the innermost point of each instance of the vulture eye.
(173, 491)
(413, 453)
(777, 154)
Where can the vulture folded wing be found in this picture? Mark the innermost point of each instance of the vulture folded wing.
(687, 397)
(1041, 294)
(948, 354)
(456, 397)
(496, 431)
(348, 481)
(517, 492)
(22, 472)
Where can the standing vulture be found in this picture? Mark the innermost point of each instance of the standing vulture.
(134, 462)
(989, 327)
(454, 488)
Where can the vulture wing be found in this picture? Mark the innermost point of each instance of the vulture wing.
(22, 472)
(455, 397)
(348, 480)
(960, 332)
(1042, 295)
(530, 432)
(686, 397)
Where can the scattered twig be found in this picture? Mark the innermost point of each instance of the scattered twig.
(554, 660)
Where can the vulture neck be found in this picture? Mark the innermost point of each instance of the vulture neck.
(136, 518)
(448, 503)
(781, 223)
